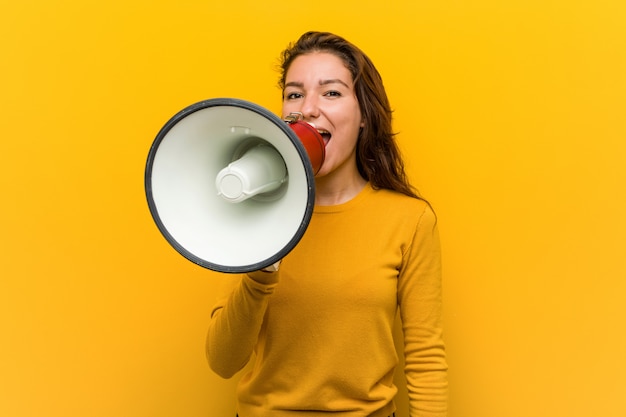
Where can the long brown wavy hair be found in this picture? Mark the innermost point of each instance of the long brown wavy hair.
(378, 157)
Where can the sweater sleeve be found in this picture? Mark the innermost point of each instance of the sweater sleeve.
(236, 321)
(419, 297)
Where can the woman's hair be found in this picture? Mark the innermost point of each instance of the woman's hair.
(378, 157)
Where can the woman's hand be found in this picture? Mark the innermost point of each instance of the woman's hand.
(267, 275)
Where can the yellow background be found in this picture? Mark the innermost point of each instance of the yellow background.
(511, 115)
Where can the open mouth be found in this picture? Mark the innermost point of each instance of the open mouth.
(325, 135)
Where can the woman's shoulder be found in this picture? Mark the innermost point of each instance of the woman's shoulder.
(416, 210)
(398, 199)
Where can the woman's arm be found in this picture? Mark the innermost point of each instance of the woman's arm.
(236, 321)
(419, 296)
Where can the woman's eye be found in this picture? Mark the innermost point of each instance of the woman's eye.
(333, 94)
(293, 96)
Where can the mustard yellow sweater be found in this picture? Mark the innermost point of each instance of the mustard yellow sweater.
(321, 329)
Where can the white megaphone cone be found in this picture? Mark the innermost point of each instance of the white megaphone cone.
(231, 186)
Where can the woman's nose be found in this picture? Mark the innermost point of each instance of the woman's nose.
(310, 108)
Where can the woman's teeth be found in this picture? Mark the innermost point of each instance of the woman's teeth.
(325, 135)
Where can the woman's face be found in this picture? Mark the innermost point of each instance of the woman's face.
(321, 87)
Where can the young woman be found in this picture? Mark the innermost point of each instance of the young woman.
(319, 330)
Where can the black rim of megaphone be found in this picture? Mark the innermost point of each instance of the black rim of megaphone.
(301, 152)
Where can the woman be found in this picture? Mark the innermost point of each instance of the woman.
(321, 326)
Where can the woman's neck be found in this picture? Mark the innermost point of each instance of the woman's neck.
(333, 190)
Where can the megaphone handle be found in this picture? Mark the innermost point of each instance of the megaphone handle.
(272, 268)
(267, 275)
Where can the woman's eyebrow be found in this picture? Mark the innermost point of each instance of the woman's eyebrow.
(294, 84)
(322, 82)
(333, 81)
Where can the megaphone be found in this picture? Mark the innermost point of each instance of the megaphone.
(230, 185)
